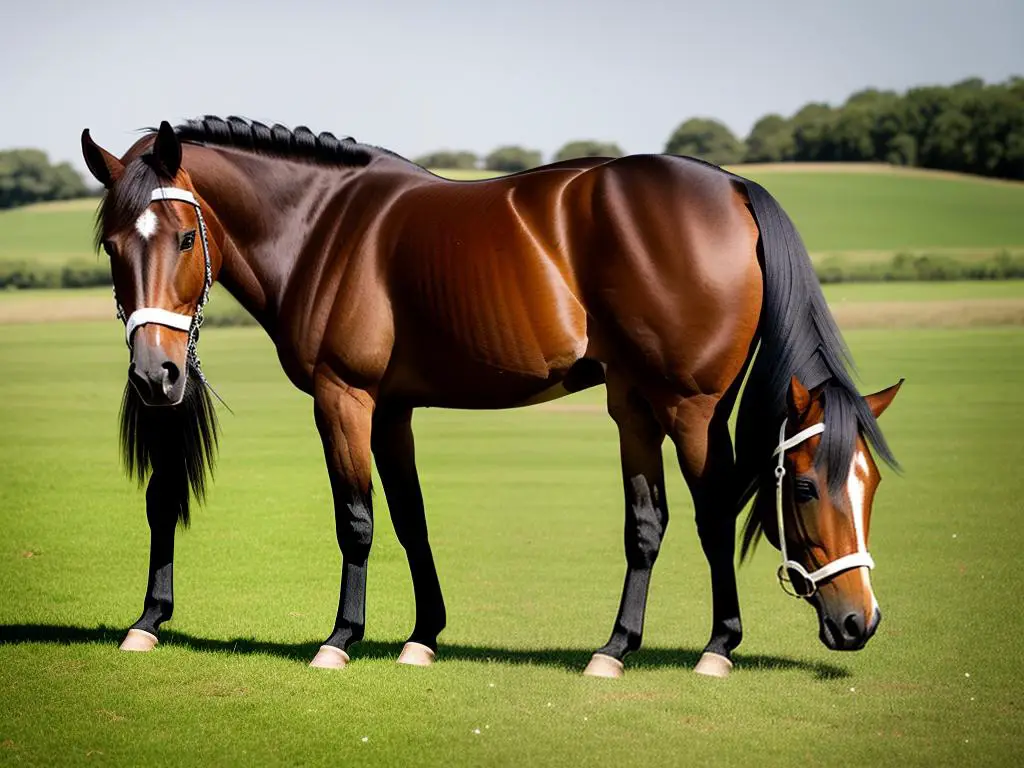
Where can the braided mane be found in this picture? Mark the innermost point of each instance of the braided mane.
(294, 143)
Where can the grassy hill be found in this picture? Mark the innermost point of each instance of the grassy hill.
(871, 213)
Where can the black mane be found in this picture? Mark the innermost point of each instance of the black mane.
(299, 143)
(799, 337)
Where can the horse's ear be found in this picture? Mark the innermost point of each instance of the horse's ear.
(102, 165)
(167, 150)
(798, 397)
(879, 401)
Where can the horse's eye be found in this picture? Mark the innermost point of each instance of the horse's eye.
(186, 240)
(804, 490)
(108, 247)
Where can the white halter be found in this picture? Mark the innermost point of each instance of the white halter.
(146, 315)
(858, 559)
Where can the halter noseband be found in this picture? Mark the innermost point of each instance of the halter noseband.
(159, 316)
(858, 559)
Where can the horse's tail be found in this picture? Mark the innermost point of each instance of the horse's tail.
(798, 336)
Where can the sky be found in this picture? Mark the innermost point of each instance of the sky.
(415, 76)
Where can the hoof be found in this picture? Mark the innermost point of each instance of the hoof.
(604, 666)
(329, 657)
(139, 640)
(713, 665)
(416, 655)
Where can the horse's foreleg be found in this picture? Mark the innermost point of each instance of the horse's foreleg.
(159, 602)
(343, 418)
(640, 439)
(395, 452)
(704, 448)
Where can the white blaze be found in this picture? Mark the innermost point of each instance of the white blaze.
(145, 225)
(855, 490)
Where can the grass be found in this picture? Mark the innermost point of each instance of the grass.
(893, 212)
(524, 509)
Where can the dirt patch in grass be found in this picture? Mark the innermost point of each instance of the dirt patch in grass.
(964, 313)
(953, 313)
(48, 309)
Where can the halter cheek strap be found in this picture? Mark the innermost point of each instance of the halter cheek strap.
(859, 559)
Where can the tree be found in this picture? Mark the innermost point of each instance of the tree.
(588, 148)
(851, 138)
(812, 133)
(707, 139)
(770, 141)
(448, 158)
(512, 159)
(26, 176)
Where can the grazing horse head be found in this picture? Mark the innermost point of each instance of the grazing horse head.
(825, 485)
(151, 227)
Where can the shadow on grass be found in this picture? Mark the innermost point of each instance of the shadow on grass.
(569, 659)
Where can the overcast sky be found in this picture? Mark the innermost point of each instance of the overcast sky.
(414, 76)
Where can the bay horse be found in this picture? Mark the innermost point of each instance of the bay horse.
(385, 288)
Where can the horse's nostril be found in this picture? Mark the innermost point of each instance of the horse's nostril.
(853, 627)
(172, 372)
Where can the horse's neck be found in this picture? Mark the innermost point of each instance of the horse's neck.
(261, 220)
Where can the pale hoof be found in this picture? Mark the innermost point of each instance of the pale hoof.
(713, 665)
(139, 640)
(416, 655)
(329, 657)
(604, 666)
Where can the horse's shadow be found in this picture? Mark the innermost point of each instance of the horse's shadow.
(569, 659)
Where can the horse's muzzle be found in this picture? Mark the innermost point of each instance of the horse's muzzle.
(850, 632)
(157, 378)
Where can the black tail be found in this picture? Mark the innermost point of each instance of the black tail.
(798, 336)
(178, 442)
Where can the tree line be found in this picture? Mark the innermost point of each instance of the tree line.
(971, 127)
(28, 176)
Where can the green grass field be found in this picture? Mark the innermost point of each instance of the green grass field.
(525, 514)
(524, 509)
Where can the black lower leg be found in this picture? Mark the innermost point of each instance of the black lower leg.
(716, 525)
(646, 520)
(394, 451)
(162, 517)
(643, 479)
(717, 538)
(354, 525)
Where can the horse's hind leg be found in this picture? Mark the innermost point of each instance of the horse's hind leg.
(699, 428)
(394, 450)
(640, 439)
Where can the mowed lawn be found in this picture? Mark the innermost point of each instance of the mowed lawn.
(866, 213)
(525, 514)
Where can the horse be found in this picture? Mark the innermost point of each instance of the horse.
(385, 288)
